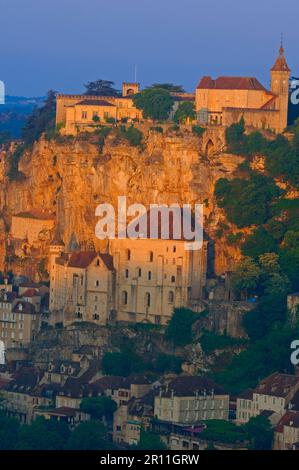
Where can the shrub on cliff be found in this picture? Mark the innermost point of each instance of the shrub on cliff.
(133, 135)
(179, 328)
(41, 120)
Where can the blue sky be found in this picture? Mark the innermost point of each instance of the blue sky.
(62, 44)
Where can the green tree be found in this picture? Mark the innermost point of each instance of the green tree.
(133, 135)
(169, 87)
(43, 434)
(149, 441)
(89, 435)
(9, 432)
(101, 88)
(155, 103)
(41, 120)
(247, 201)
(260, 433)
(260, 241)
(179, 328)
(245, 277)
(185, 112)
(98, 407)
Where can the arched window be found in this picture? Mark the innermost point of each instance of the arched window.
(124, 297)
(128, 255)
(147, 299)
(149, 275)
(170, 297)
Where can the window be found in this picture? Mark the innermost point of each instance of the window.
(128, 255)
(149, 275)
(126, 273)
(147, 299)
(124, 297)
(170, 297)
(96, 316)
(106, 114)
(151, 256)
(174, 249)
(97, 283)
(98, 262)
(84, 114)
(172, 278)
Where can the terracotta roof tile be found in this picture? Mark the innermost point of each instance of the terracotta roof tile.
(230, 83)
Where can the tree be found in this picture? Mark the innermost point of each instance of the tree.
(9, 432)
(247, 201)
(116, 363)
(185, 112)
(149, 441)
(246, 276)
(89, 435)
(98, 407)
(41, 120)
(260, 433)
(101, 88)
(169, 87)
(133, 135)
(258, 242)
(155, 103)
(179, 328)
(43, 434)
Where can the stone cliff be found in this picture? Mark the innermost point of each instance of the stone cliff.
(70, 176)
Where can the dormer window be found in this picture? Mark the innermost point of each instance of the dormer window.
(20, 307)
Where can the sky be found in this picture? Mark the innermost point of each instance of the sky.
(63, 44)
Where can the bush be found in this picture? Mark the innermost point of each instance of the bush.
(157, 129)
(179, 328)
(133, 135)
(211, 341)
(198, 130)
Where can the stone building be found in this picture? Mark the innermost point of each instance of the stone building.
(81, 284)
(140, 280)
(19, 321)
(274, 393)
(286, 435)
(226, 100)
(191, 399)
(82, 112)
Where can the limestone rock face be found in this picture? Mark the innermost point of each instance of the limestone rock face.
(70, 178)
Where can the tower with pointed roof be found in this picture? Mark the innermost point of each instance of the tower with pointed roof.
(280, 77)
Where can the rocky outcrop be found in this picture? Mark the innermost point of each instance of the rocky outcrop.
(70, 177)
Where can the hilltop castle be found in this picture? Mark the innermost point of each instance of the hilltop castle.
(225, 100)
(219, 102)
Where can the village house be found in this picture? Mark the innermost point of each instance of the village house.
(130, 418)
(20, 395)
(72, 417)
(191, 399)
(274, 393)
(286, 436)
(19, 321)
(225, 100)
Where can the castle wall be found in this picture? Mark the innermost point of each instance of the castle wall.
(260, 119)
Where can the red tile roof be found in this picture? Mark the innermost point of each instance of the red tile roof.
(83, 259)
(230, 83)
(290, 418)
(277, 385)
(30, 293)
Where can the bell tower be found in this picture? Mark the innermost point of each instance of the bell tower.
(280, 76)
